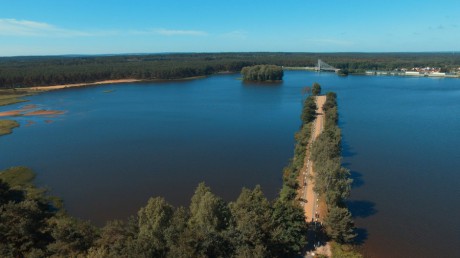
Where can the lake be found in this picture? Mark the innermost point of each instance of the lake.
(117, 145)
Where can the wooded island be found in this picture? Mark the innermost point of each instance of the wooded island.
(262, 73)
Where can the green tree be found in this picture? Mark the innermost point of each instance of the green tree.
(117, 239)
(176, 235)
(289, 229)
(22, 228)
(316, 89)
(251, 214)
(209, 219)
(339, 225)
(309, 110)
(71, 237)
(153, 221)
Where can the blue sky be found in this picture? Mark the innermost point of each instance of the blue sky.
(52, 27)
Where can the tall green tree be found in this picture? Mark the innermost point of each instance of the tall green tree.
(252, 223)
(316, 89)
(339, 225)
(176, 235)
(71, 237)
(289, 233)
(117, 239)
(154, 219)
(309, 110)
(209, 220)
(22, 228)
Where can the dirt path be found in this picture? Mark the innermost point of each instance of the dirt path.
(309, 198)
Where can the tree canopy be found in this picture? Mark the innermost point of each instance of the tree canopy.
(316, 89)
(262, 73)
(53, 70)
(251, 226)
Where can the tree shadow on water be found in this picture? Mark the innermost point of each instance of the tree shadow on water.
(361, 236)
(361, 208)
(347, 150)
(357, 179)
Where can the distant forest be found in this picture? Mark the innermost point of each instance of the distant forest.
(52, 70)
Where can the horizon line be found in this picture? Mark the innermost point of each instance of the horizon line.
(236, 52)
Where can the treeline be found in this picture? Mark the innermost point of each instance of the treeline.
(293, 169)
(332, 181)
(262, 73)
(41, 71)
(33, 225)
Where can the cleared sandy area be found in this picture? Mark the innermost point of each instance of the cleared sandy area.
(25, 111)
(11, 113)
(63, 86)
(44, 113)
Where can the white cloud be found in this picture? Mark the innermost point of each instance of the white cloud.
(13, 27)
(168, 32)
(26, 28)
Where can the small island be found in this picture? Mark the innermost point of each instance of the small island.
(7, 126)
(262, 73)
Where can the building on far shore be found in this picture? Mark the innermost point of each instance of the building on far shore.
(412, 73)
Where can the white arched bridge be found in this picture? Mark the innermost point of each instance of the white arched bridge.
(323, 66)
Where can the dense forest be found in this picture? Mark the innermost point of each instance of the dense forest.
(262, 73)
(52, 70)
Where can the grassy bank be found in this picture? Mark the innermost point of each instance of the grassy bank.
(13, 96)
(11, 99)
(7, 126)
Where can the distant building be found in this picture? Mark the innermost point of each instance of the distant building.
(412, 73)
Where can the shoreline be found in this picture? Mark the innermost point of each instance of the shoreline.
(74, 85)
(119, 81)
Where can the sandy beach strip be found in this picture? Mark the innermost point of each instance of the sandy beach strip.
(44, 113)
(64, 86)
(11, 113)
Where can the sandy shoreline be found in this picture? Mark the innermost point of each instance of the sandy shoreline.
(63, 86)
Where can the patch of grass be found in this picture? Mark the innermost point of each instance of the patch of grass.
(12, 96)
(21, 178)
(18, 177)
(10, 101)
(6, 126)
(344, 251)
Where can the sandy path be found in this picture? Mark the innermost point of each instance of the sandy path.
(63, 86)
(308, 196)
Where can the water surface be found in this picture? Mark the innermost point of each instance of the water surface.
(111, 151)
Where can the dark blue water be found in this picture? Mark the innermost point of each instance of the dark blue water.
(111, 151)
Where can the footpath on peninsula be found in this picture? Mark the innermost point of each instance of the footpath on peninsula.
(320, 183)
(309, 198)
